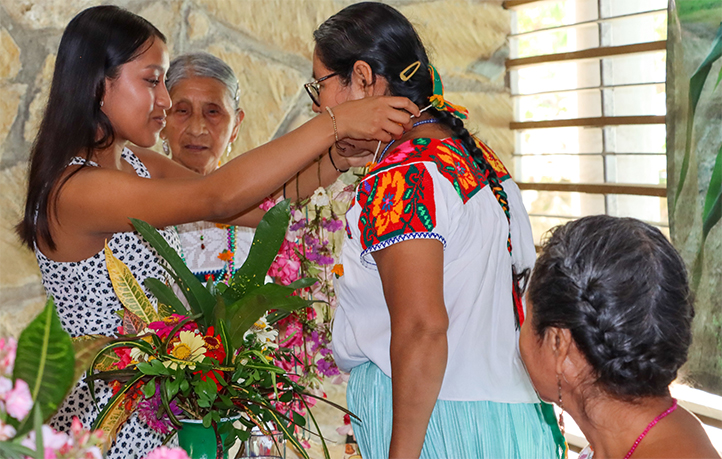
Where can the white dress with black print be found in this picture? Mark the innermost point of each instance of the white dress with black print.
(87, 304)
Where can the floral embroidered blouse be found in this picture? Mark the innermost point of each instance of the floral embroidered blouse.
(432, 189)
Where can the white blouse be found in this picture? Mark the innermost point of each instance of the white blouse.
(432, 189)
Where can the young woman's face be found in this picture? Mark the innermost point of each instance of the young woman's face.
(201, 124)
(135, 102)
(332, 91)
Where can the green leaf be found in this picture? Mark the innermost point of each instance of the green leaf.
(715, 186)
(246, 311)
(165, 296)
(45, 361)
(298, 419)
(38, 426)
(715, 213)
(199, 300)
(696, 84)
(266, 242)
(149, 388)
(154, 368)
(425, 216)
(128, 289)
(302, 283)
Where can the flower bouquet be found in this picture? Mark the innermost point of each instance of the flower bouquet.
(212, 361)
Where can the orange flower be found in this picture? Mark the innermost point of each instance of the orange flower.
(463, 172)
(337, 270)
(226, 255)
(388, 205)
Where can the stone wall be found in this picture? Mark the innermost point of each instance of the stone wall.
(269, 45)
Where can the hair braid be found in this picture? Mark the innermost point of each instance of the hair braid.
(457, 127)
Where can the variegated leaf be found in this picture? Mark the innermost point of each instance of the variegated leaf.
(112, 423)
(128, 289)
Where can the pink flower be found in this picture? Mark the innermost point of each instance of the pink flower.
(167, 453)
(7, 355)
(52, 442)
(165, 326)
(6, 431)
(19, 401)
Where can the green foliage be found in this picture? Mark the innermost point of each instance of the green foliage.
(246, 378)
(696, 84)
(713, 201)
(45, 360)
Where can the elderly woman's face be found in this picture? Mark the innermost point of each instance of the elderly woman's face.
(201, 123)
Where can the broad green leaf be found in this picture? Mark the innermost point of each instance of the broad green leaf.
(45, 360)
(199, 300)
(696, 84)
(128, 289)
(165, 296)
(266, 243)
(246, 311)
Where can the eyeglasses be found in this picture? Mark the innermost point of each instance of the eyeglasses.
(314, 89)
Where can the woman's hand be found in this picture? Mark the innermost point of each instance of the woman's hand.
(375, 118)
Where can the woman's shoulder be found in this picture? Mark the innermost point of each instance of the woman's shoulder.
(683, 437)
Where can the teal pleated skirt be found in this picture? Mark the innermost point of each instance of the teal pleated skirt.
(457, 429)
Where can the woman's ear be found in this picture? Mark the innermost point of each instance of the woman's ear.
(240, 114)
(560, 341)
(364, 82)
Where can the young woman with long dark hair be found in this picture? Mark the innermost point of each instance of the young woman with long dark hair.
(108, 90)
(428, 312)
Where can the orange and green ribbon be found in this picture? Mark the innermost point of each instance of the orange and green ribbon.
(438, 101)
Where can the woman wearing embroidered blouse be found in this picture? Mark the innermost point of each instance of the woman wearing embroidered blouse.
(109, 90)
(201, 126)
(608, 326)
(427, 322)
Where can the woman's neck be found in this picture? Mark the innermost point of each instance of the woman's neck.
(612, 426)
(111, 157)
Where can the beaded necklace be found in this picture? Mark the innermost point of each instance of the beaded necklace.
(650, 425)
(386, 148)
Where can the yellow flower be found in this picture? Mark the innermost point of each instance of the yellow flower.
(187, 351)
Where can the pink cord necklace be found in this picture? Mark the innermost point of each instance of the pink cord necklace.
(650, 425)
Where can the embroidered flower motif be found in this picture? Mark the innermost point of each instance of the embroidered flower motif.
(388, 205)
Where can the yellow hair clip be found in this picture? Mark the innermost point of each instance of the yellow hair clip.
(409, 71)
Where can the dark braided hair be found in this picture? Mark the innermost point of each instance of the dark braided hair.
(383, 38)
(621, 289)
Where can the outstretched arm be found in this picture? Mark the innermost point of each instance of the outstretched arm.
(412, 273)
(96, 201)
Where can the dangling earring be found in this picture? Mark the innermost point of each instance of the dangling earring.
(165, 147)
(229, 149)
(561, 405)
(101, 103)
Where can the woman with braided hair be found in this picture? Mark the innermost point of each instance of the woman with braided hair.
(608, 326)
(427, 322)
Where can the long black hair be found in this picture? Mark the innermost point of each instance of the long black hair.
(382, 37)
(621, 289)
(96, 43)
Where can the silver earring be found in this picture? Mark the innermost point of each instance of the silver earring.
(230, 148)
(101, 103)
(165, 147)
